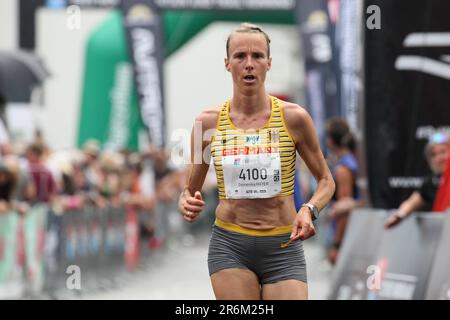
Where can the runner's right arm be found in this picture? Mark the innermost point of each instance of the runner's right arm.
(191, 202)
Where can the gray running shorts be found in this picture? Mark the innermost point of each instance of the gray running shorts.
(261, 254)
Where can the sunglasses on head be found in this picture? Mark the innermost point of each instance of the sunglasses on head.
(438, 138)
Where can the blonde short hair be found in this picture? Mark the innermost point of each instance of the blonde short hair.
(249, 28)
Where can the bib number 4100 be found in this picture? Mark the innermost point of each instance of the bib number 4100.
(253, 174)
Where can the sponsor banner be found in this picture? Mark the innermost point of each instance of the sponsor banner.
(90, 241)
(27, 23)
(121, 95)
(84, 259)
(37, 249)
(227, 5)
(62, 4)
(348, 42)
(68, 239)
(439, 280)
(94, 233)
(405, 258)
(321, 84)
(349, 54)
(407, 80)
(143, 26)
(358, 252)
(82, 236)
(394, 264)
(53, 250)
(105, 227)
(11, 283)
(118, 216)
(94, 3)
(109, 104)
(74, 242)
(35, 224)
(186, 4)
(114, 233)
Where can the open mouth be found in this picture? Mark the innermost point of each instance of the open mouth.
(249, 78)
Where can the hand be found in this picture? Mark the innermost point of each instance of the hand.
(303, 227)
(342, 206)
(190, 207)
(22, 208)
(393, 220)
(333, 255)
(4, 206)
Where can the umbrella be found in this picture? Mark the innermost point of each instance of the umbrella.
(20, 72)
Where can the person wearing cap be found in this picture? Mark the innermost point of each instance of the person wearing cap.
(437, 152)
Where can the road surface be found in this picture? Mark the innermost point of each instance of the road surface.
(179, 272)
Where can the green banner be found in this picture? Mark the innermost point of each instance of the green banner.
(109, 108)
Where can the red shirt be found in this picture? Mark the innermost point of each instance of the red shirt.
(43, 182)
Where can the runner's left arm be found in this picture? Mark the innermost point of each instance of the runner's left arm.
(307, 144)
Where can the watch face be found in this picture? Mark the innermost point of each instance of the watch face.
(315, 213)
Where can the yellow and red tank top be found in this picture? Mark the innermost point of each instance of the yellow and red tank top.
(253, 164)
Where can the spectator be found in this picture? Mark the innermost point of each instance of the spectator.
(437, 152)
(137, 197)
(42, 178)
(110, 184)
(23, 188)
(91, 151)
(7, 184)
(341, 143)
(80, 180)
(159, 158)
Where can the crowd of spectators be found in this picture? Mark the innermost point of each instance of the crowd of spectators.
(73, 179)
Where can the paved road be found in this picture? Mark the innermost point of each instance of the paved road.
(180, 272)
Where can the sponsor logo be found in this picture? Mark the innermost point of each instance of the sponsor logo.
(120, 113)
(227, 4)
(405, 182)
(252, 139)
(248, 150)
(140, 14)
(274, 136)
(317, 20)
(439, 68)
(148, 82)
(95, 3)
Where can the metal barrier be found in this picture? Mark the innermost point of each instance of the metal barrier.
(11, 256)
(40, 250)
(409, 261)
(439, 280)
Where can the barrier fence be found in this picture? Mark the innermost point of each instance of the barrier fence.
(409, 261)
(42, 249)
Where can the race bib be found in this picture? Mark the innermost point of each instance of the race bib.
(252, 176)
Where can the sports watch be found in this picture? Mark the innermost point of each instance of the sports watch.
(313, 209)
